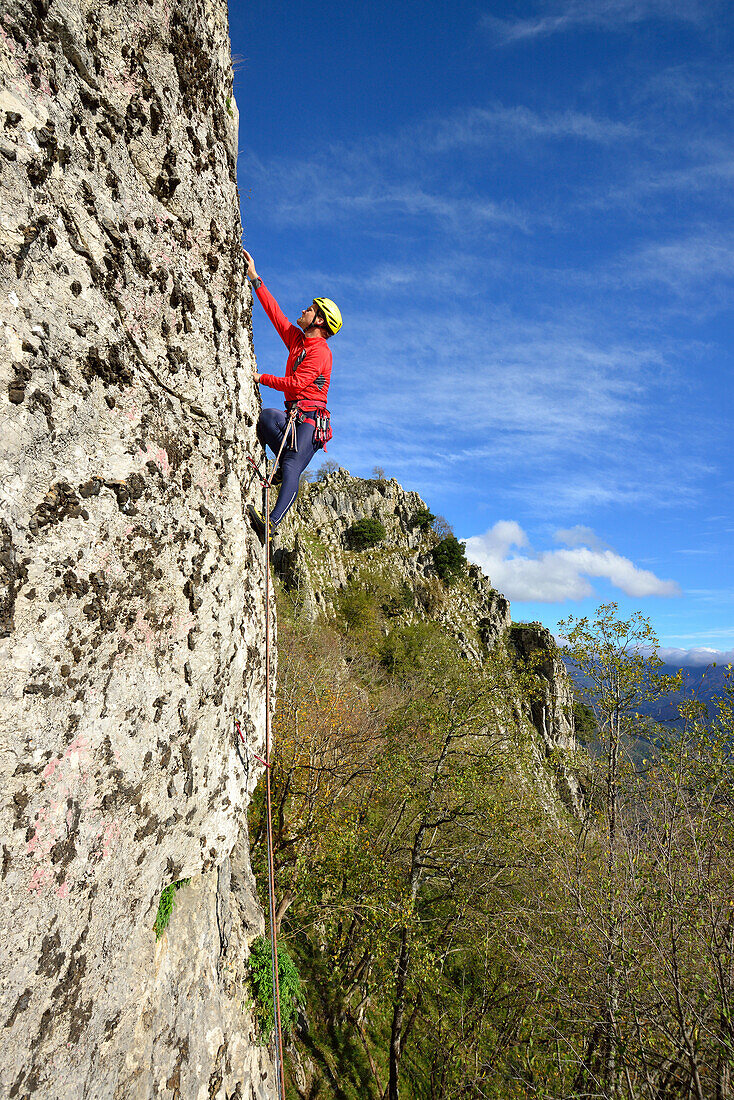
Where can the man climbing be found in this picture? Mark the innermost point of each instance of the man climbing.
(305, 387)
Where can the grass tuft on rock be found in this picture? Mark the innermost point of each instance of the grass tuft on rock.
(165, 906)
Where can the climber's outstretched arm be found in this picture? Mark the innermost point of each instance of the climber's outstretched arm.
(283, 327)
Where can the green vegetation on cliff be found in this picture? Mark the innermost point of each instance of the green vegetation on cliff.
(462, 924)
(406, 812)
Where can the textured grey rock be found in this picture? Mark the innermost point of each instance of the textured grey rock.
(551, 705)
(130, 584)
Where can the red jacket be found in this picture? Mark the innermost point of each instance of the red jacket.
(308, 370)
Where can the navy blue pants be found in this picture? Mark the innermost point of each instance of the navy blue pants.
(270, 428)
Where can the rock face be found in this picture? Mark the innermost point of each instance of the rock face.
(131, 603)
(315, 563)
(550, 705)
(313, 557)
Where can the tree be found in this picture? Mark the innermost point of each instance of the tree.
(378, 473)
(399, 826)
(423, 519)
(441, 527)
(449, 558)
(326, 469)
(620, 671)
(364, 534)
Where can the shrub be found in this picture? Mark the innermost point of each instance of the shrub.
(449, 558)
(430, 594)
(364, 534)
(261, 981)
(165, 906)
(423, 519)
(357, 607)
(395, 603)
(403, 651)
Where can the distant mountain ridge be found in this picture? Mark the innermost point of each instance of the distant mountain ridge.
(703, 684)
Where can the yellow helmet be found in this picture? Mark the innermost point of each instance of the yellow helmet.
(331, 313)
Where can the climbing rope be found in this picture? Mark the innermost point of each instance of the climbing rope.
(266, 482)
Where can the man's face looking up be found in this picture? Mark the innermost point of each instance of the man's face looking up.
(308, 317)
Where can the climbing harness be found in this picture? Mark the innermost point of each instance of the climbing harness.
(266, 481)
(320, 419)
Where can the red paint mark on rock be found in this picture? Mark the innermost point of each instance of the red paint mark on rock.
(39, 879)
(157, 455)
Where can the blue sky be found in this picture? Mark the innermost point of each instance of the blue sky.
(526, 214)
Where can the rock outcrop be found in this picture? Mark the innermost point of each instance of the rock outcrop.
(130, 584)
(314, 560)
(316, 565)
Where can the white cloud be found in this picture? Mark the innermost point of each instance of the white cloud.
(579, 536)
(552, 576)
(602, 14)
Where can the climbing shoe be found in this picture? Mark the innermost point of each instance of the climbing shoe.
(258, 523)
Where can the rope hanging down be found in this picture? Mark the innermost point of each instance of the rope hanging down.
(266, 483)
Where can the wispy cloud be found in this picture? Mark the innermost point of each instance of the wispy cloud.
(559, 18)
(714, 596)
(411, 173)
(553, 576)
(498, 124)
(372, 191)
(690, 263)
(710, 178)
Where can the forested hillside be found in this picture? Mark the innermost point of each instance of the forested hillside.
(474, 906)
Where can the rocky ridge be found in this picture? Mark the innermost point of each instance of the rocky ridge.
(131, 601)
(316, 565)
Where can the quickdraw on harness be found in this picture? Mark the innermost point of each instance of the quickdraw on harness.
(321, 420)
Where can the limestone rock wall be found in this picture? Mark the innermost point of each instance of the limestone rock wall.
(551, 704)
(130, 584)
